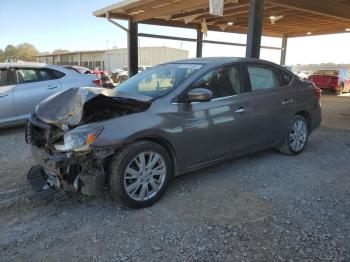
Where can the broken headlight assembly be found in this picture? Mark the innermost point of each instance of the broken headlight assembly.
(79, 139)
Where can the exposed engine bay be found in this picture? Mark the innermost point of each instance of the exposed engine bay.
(60, 139)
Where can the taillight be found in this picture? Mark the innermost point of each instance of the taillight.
(317, 92)
(97, 82)
(335, 81)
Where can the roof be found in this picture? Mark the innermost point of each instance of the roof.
(207, 60)
(73, 53)
(290, 17)
(22, 64)
(30, 65)
(213, 61)
(108, 50)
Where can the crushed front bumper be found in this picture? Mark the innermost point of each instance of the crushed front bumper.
(37, 178)
(75, 173)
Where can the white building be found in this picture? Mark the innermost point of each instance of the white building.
(114, 58)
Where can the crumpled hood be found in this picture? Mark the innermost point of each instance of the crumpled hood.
(66, 108)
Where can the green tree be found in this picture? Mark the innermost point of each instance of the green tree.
(10, 51)
(26, 52)
(2, 56)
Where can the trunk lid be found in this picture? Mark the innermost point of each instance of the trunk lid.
(326, 78)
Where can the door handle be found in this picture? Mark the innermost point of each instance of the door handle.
(52, 87)
(3, 95)
(240, 110)
(287, 101)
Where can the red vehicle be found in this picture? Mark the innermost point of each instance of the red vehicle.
(336, 80)
(104, 78)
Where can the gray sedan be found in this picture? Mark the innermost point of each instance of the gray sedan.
(169, 120)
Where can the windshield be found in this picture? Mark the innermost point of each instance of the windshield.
(158, 81)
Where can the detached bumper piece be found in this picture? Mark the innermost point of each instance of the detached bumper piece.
(38, 180)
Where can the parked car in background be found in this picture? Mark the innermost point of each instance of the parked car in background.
(172, 119)
(79, 69)
(24, 85)
(304, 74)
(121, 75)
(104, 78)
(336, 80)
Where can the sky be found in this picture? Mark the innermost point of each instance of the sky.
(69, 24)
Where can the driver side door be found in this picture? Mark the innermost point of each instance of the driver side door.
(222, 126)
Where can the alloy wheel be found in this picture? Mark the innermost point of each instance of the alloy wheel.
(144, 176)
(298, 136)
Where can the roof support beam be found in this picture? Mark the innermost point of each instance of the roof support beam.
(284, 50)
(324, 7)
(255, 25)
(203, 41)
(133, 48)
(169, 9)
(199, 48)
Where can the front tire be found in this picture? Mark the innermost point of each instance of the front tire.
(297, 136)
(139, 174)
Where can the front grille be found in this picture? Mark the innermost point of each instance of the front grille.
(42, 134)
(35, 135)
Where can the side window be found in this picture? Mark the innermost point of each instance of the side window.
(4, 77)
(286, 78)
(222, 82)
(55, 74)
(43, 75)
(30, 75)
(26, 75)
(262, 78)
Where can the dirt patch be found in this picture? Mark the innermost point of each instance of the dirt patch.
(265, 207)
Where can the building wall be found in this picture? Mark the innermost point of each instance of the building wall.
(116, 58)
(148, 56)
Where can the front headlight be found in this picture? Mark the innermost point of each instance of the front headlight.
(79, 139)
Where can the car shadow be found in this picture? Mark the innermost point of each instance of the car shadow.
(12, 130)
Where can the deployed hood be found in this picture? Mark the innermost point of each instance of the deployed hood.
(67, 108)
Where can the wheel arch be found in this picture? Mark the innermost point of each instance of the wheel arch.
(307, 117)
(165, 144)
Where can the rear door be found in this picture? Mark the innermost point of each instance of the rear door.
(272, 101)
(33, 86)
(7, 108)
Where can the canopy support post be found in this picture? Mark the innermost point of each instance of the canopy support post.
(255, 25)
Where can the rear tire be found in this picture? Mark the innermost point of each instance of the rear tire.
(139, 174)
(296, 137)
(340, 92)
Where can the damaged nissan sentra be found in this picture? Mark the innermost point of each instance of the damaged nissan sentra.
(169, 120)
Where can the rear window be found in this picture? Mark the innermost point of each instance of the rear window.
(55, 74)
(262, 78)
(286, 77)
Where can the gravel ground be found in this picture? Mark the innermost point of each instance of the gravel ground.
(265, 207)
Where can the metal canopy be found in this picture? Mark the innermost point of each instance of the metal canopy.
(278, 18)
(296, 17)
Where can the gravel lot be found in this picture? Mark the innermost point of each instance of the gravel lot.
(265, 207)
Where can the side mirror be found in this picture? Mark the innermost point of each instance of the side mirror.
(199, 95)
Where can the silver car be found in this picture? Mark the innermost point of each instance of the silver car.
(169, 120)
(24, 85)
